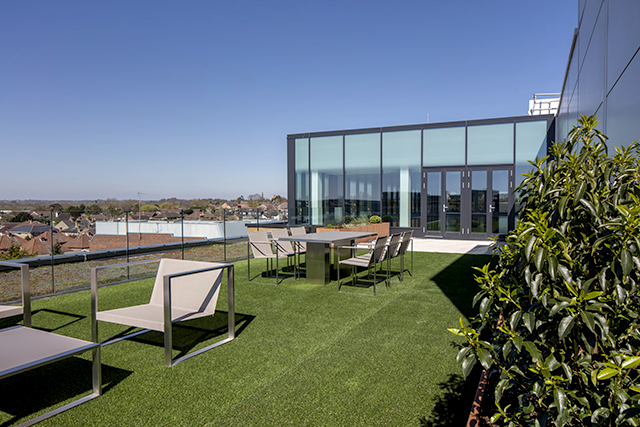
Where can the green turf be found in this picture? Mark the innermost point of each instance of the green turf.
(305, 355)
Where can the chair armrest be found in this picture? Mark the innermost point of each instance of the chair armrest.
(26, 290)
(166, 283)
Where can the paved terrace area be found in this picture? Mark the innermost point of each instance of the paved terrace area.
(473, 247)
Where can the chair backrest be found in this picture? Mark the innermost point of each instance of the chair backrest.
(379, 249)
(393, 245)
(404, 244)
(194, 292)
(282, 246)
(299, 231)
(260, 245)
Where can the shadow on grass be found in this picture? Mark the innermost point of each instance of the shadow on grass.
(454, 400)
(53, 318)
(42, 389)
(189, 334)
(458, 283)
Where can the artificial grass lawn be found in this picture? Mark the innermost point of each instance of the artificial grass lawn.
(304, 355)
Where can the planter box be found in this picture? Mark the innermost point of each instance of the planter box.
(381, 230)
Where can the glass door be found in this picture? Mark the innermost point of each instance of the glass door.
(452, 203)
(478, 187)
(467, 203)
(501, 205)
(432, 186)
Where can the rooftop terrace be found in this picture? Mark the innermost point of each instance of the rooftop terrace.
(304, 355)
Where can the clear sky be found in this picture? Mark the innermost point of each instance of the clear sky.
(194, 99)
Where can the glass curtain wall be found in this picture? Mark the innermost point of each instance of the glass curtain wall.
(531, 142)
(490, 144)
(444, 146)
(326, 160)
(401, 155)
(301, 167)
(362, 175)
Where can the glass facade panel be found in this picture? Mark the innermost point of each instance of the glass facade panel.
(362, 175)
(326, 180)
(401, 154)
(434, 200)
(479, 201)
(301, 167)
(531, 142)
(490, 144)
(444, 146)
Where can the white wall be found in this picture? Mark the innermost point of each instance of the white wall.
(203, 229)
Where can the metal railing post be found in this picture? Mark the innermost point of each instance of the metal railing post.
(224, 232)
(126, 220)
(182, 231)
(53, 281)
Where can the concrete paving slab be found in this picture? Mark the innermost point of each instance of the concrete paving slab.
(474, 247)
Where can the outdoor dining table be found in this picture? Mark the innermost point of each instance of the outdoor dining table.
(318, 258)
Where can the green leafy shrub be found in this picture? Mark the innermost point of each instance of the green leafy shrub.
(388, 218)
(16, 252)
(558, 320)
(375, 219)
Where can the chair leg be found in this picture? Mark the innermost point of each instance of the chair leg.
(374, 280)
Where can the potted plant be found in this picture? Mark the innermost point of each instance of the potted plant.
(373, 224)
(559, 318)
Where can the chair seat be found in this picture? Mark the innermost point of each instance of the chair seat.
(358, 262)
(10, 310)
(147, 316)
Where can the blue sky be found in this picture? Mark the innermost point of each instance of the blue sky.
(194, 99)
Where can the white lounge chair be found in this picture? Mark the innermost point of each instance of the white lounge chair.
(23, 348)
(183, 290)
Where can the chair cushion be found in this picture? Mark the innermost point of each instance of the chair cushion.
(147, 316)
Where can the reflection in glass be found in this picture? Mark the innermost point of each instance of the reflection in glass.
(478, 201)
(452, 202)
(401, 180)
(444, 146)
(326, 180)
(434, 200)
(500, 202)
(531, 142)
(362, 175)
(490, 144)
(301, 205)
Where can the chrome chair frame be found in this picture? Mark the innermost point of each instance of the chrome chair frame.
(167, 318)
(24, 343)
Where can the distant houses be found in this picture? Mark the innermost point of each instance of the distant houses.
(71, 234)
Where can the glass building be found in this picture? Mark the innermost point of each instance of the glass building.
(452, 180)
(457, 180)
(603, 71)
